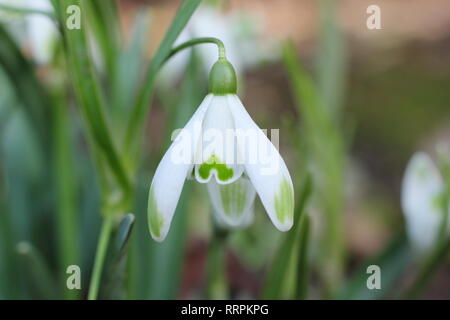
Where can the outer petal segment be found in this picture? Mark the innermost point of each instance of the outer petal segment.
(422, 201)
(171, 173)
(264, 166)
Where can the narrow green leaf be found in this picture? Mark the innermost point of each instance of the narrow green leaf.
(278, 273)
(142, 105)
(129, 70)
(326, 153)
(303, 262)
(89, 94)
(123, 234)
(331, 59)
(103, 20)
(115, 265)
(36, 272)
(66, 194)
(28, 90)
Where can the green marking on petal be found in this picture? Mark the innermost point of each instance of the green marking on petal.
(438, 202)
(213, 163)
(422, 172)
(233, 198)
(155, 218)
(284, 201)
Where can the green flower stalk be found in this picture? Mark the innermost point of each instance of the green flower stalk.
(222, 147)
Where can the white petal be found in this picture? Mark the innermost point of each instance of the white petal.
(264, 166)
(217, 152)
(422, 192)
(171, 174)
(232, 203)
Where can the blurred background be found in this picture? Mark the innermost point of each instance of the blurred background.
(379, 96)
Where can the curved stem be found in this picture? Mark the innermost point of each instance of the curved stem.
(139, 113)
(196, 41)
(100, 257)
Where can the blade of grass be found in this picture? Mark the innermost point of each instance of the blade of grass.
(128, 70)
(302, 262)
(326, 154)
(89, 95)
(66, 198)
(116, 262)
(141, 107)
(276, 278)
(28, 90)
(36, 272)
(331, 59)
(103, 20)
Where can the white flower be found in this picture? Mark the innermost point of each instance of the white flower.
(423, 201)
(222, 146)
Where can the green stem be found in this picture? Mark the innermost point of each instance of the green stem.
(137, 113)
(100, 257)
(217, 279)
(196, 41)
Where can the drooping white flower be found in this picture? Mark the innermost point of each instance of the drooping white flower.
(423, 201)
(224, 148)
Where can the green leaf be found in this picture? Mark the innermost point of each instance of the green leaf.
(90, 96)
(36, 272)
(123, 234)
(142, 104)
(103, 20)
(128, 70)
(29, 92)
(326, 153)
(294, 245)
(331, 59)
(66, 194)
(303, 262)
(115, 264)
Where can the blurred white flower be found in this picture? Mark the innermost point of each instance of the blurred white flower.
(423, 201)
(34, 31)
(242, 34)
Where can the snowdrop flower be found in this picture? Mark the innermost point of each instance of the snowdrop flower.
(222, 146)
(423, 201)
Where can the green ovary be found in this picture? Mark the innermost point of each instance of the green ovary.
(284, 202)
(213, 163)
(155, 219)
(233, 198)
